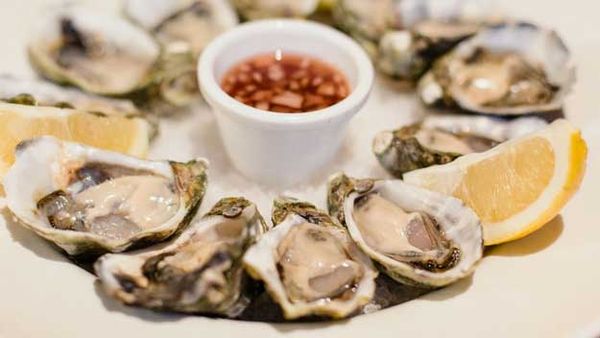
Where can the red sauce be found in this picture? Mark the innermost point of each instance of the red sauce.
(285, 83)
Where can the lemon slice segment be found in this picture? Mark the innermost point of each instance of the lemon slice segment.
(128, 135)
(516, 187)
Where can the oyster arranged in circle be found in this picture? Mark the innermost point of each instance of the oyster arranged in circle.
(440, 139)
(309, 264)
(199, 272)
(416, 236)
(98, 52)
(509, 69)
(261, 9)
(90, 201)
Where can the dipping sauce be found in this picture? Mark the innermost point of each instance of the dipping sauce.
(285, 83)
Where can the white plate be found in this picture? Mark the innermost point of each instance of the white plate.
(546, 285)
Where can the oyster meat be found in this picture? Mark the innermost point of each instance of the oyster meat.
(260, 9)
(440, 139)
(309, 264)
(199, 272)
(90, 201)
(417, 237)
(98, 52)
(509, 69)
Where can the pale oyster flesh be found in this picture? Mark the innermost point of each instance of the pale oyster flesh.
(440, 139)
(417, 237)
(502, 79)
(89, 201)
(111, 201)
(411, 237)
(309, 264)
(200, 272)
(508, 69)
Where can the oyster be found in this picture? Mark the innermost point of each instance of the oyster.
(199, 272)
(440, 139)
(44, 93)
(417, 237)
(90, 201)
(184, 25)
(508, 69)
(97, 52)
(309, 264)
(260, 9)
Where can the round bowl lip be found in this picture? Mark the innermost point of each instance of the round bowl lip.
(214, 94)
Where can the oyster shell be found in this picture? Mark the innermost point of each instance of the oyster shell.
(440, 139)
(97, 52)
(90, 201)
(260, 9)
(48, 94)
(417, 237)
(509, 69)
(309, 264)
(184, 25)
(199, 272)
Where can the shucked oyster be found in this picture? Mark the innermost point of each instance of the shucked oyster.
(508, 69)
(89, 201)
(440, 139)
(416, 236)
(48, 94)
(309, 264)
(188, 24)
(200, 272)
(97, 52)
(260, 9)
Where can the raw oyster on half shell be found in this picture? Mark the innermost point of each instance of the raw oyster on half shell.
(98, 52)
(90, 201)
(416, 236)
(509, 69)
(309, 264)
(199, 272)
(440, 139)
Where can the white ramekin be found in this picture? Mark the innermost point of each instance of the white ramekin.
(279, 148)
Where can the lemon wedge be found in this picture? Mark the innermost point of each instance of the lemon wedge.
(128, 135)
(516, 187)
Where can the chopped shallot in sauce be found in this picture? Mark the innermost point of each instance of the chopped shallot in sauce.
(285, 83)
